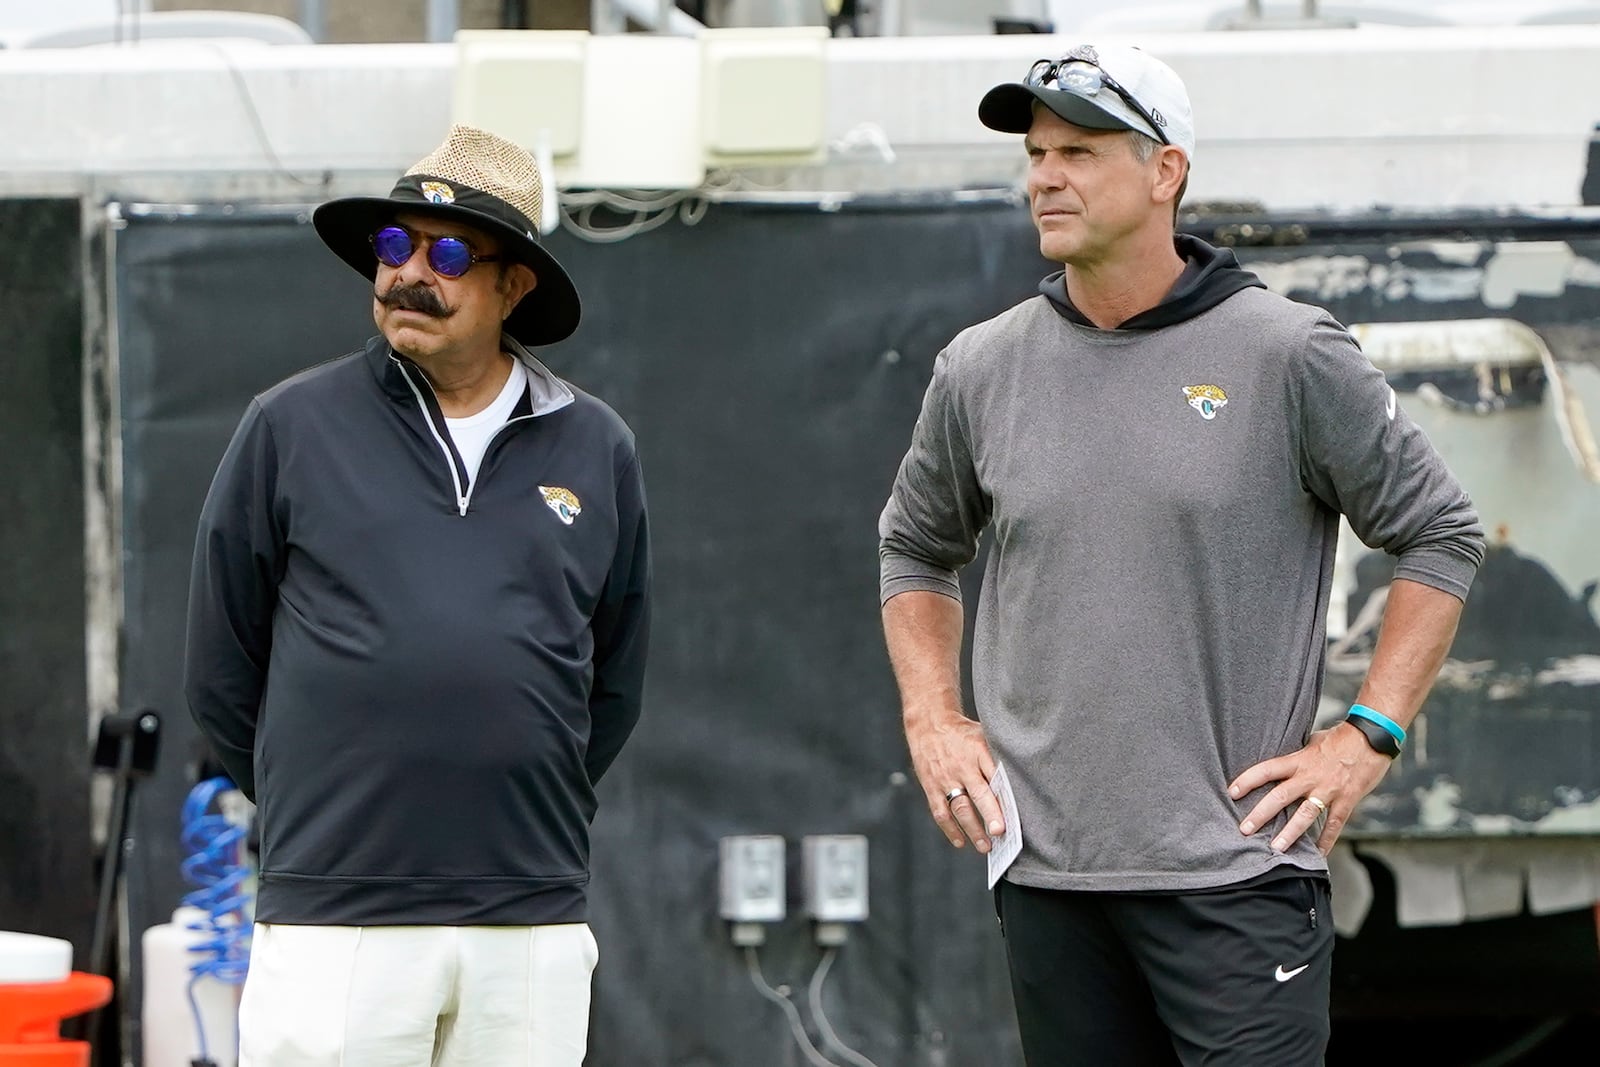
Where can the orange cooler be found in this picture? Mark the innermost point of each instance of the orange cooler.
(38, 990)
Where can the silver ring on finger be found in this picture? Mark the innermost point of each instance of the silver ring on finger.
(951, 795)
(1322, 809)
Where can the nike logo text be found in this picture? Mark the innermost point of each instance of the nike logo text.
(1283, 976)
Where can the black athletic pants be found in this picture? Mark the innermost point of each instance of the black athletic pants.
(1231, 977)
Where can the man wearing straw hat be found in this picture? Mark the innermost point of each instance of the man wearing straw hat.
(1161, 449)
(417, 629)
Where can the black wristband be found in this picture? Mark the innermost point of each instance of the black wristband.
(1380, 739)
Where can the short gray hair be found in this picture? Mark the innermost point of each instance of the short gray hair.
(1144, 149)
(1144, 146)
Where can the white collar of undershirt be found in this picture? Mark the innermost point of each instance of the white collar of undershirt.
(499, 409)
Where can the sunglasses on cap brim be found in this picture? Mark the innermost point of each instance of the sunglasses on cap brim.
(449, 257)
(1083, 78)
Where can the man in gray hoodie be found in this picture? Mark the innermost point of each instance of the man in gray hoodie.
(1161, 449)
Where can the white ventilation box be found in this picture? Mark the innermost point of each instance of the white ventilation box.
(641, 115)
(527, 86)
(610, 111)
(765, 94)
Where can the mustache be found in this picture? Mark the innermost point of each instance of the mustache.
(415, 298)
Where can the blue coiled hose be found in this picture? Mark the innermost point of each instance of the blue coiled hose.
(215, 866)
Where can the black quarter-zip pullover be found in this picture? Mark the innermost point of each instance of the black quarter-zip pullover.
(418, 679)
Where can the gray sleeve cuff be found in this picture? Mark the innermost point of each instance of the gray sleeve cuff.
(1439, 566)
(900, 573)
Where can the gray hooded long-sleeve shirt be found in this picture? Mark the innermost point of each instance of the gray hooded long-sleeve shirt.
(1164, 500)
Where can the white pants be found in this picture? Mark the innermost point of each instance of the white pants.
(415, 996)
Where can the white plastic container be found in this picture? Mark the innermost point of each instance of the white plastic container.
(170, 1037)
(29, 958)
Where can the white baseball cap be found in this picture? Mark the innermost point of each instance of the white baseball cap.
(1109, 87)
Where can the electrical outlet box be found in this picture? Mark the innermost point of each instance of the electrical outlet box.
(834, 871)
(752, 878)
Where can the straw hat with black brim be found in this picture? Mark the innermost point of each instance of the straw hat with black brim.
(483, 181)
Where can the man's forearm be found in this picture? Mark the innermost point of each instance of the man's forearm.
(923, 631)
(1419, 623)
(1329, 776)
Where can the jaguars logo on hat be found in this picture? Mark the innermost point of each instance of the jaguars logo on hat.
(438, 193)
(1206, 399)
(562, 501)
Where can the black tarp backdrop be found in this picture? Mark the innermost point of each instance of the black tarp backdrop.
(46, 875)
(772, 363)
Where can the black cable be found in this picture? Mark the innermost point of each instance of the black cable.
(248, 99)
